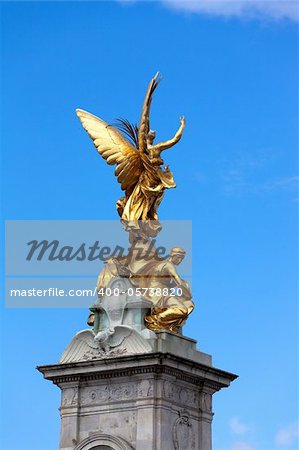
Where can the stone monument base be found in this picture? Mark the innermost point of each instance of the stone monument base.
(155, 400)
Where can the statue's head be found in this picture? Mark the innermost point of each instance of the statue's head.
(177, 254)
(151, 135)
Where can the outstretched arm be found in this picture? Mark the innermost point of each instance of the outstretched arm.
(167, 144)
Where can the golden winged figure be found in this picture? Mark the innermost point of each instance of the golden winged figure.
(138, 161)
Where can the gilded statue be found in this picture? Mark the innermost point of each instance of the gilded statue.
(143, 179)
(169, 293)
(158, 280)
(138, 161)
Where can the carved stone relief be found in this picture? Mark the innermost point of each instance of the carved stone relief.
(116, 392)
(145, 388)
(206, 402)
(183, 433)
(70, 397)
(180, 394)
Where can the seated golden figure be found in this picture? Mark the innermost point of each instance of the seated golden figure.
(169, 293)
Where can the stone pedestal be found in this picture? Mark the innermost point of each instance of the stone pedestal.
(158, 399)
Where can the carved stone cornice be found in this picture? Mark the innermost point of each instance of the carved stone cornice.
(158, 364)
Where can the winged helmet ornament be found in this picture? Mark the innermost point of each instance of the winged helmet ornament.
(138, 160)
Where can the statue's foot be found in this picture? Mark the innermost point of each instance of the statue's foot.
(90, 320)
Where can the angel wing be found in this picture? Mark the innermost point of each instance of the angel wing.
(128, 339)
(82, 343)
(114, 148)
(144, 126)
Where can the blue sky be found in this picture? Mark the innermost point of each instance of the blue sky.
(234, 76)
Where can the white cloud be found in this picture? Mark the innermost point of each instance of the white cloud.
(249, 173)
(241, 445)
(287, 435)
(246, 9)
(283, 183)
(237, 426)
(271, 9)
(236, 182)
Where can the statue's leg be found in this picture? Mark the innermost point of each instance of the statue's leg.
(169, 315)
(152, 213)
(134, 205)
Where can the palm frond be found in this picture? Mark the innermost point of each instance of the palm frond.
(156, 80)
(129, 129)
